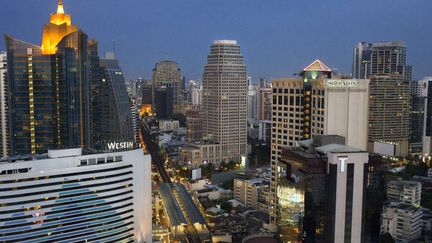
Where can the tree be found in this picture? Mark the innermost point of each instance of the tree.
(386, 238)
(226, 206)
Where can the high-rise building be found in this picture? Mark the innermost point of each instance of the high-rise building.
(66, 196)
(314, 104)
(251, 102)
(419, 90)
(117, 117)
(264, 101)
(427, 125)
(49, 97)
(194, 124)
(4, 133)
(389, 115)
(163, 102)
(381, 58)
(167, 74)
(324, 202)
(196, 94)
(225, 98)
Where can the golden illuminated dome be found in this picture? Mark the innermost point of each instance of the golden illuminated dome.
(59, 26)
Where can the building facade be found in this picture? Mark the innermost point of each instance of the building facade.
(67, 196)
(390, 113)
(225, 98)
(407, 192)
(323, 201)
(168, 74)
(381, 58)
(117, 117)
(402, 221)
(314, 104)
(194, 124)
(49, 97)
(4, 133)
(264, 101)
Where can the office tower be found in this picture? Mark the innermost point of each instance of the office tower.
(49, 97)
(194, 124)
(4, 133)
(117, 115)
(419, 91)
(224, 98)
(314, 104)
(389, 115)
(196, 94)
(163, 102)
(251, 102)
(67, 196)
(381, 58)
(96, 93)
(427, 125)
(325, 200)
(168, 74)
(264, 100)
(375, 193)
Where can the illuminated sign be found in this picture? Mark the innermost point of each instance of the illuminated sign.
(341, 83)
(342, 161)
(121, 145)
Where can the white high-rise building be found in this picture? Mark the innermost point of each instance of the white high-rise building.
(196, 94)
(225, 98)
(4, 135)
(66, 196)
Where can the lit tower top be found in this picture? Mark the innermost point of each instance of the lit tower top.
(59, 26)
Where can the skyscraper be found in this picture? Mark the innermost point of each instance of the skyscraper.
(317, 103)
(389, 114)
(167, 74)
(381, 58)
(427, 129)
(264, 100)
(251, 102)
(49, 97)
(325, 200)
(224, 98)
(118, 117)
(4, 133)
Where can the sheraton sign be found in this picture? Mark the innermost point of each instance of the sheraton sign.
(341, 83)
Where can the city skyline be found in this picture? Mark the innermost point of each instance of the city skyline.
(276, 37)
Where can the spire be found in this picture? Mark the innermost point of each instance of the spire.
(60, 9)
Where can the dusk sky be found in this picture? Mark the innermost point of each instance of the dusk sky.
(277, 37)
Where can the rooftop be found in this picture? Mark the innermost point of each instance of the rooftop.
(317, 65)
(225, 42)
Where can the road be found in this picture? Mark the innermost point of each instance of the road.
(154, 150)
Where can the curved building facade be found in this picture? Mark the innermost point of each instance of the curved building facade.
(69, 197)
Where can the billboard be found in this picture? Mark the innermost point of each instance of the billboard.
(385, 148)
(196, 174)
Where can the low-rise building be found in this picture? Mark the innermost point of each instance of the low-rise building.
(199, 153)
(402, 221)
(248, 192)
(168, 125)
(408, 192)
